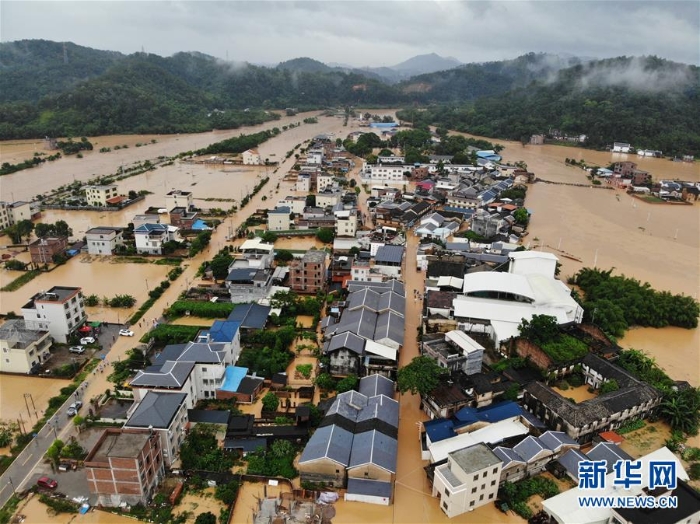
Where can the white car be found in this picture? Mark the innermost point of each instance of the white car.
(87, 340)
(77, 349)
(126, 333)
(74, 408)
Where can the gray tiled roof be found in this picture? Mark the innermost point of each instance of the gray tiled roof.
(203, 353)
(376, 385)
(373, 447)
(251, 316)
(156, 409)
(382, 408)
(391, 254)
(346, 340)
(507, 455)
(610, 453)
(348, 405)
(169, 375)
(529, 448)
(390, 285)
(554, 440)
(391, 326)
(372, 488)
(391, 301)
(570, 460)
(361, 322)
(331, 442)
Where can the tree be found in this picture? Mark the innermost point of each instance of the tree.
(682, 410)
(521, 216)
(540, 330)
(422, 375)
(354, 251)
(269, 236)
(21, 229)
(325, 235)
(284, 255)
(270, 402)
(206, 518)
(219, 265)
(346, 384)
(609, 386)
(226, 492)
(325, 381)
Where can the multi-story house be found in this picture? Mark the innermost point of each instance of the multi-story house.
(388, 260)
(59, 311)
(468, 480)
(345, 223)
(125, 467)
(103, 240)
(22, 210)
(151, 237)
(308, 275)
(251, 157)
(328, 197)
(166, 415)
(386, 172)
(182, 217)
(42, 250)
(177, 198)
(22, 349)
(278, 219)
(324, 181)
(99, 195)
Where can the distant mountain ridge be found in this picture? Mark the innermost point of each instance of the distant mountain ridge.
(56, 89)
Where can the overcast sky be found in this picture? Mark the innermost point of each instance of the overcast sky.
(362, 33)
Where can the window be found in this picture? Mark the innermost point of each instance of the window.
(493, 482)
(490, 496)
(473, 490)
(481, 497)
(444, 505)
(483, 476)
(483, 486)
(476, 477)
(495, 470)
(471, 504)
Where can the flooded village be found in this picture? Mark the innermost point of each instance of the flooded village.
(258, 377)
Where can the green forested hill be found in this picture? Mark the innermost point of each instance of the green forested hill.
(648, 102)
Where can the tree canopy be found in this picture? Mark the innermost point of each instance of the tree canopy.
(421, 375)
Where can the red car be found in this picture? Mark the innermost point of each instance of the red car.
(46, 482)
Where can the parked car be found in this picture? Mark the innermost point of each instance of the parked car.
(46, 482)
(126, 333)
(77, 349)
(87, 340)
(74, 408)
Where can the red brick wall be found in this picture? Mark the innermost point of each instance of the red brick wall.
(526, 349)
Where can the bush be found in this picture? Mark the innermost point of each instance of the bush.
(630, 426)
(200, 309)
(165, 334)
(59, 505)
(694, 471)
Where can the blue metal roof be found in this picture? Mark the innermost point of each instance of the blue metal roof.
(233, 377)
(492, 413)
(468, 212)
(439, 429)
(373, 488)
(223, 330)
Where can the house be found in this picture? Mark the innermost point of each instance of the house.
(239, 385)
(250, 316)
(166, 415)
(624, 169)
(436, 159)
(278, 219)
(147, 218)
(150, 238)
(178, 198)
(355, 445)
(468, 480)
(183, 218)
(125, 467)
(385, 172)
(496, 303)
(295, 203)
(455, 350)
(103, 240)
(308, 275)
(582, 421)
(99, 196)
(251, 157)
(485, 224)
(391, 159)
(60, 311)
(565, 506)
(345, 223)
(640, 178)
(389, 260)
(13, 212)
(328, 197)
(621, 147)
(304, 183)
(22, 349)
(42, 250)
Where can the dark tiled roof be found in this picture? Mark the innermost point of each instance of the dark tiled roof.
(156, 409)
(208, 416)
(330, 442)
(569, 461)
(250, 316)
(372, 488)
(169, 375)
(376, 385)
(373, 447)
(610, 453)
(249, 384)
(390, 254)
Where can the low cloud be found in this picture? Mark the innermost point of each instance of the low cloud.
(639, 73)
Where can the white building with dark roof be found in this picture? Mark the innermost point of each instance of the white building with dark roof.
(166, 414)
(468, 480)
